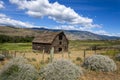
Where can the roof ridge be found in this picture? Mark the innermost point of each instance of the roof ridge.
(46, 37)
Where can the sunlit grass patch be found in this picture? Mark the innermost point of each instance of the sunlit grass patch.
(16, 46)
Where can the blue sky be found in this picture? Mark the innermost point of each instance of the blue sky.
(97, 16)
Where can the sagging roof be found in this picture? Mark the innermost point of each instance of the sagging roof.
(46, 37)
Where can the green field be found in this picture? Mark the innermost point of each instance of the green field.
(73, 45)
(95, 42)
(77, 43)
(16, 46)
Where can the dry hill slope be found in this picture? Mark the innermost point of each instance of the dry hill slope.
(71, 34)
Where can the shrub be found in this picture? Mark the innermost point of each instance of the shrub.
(61, 70)
(78, 59)
(41, 62)
(2, 57)
(33, 59)
(100, 63)
(117, 57)
(18, 69)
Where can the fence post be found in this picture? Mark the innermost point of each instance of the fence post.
(51, 54)
(43, 55)
(24, 54)
(84, 55)
(69, 54)
(15, 54)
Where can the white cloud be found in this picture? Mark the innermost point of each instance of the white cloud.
(66, 27)
(74, 27)
(3, 16)
(103, 32)
(5, 20)
(116, 34)
(1, 4)
(55, 11)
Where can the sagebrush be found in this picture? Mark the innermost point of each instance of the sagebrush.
(18, 69)
(61, 70)
(2, 57)
(117, 57)
(100, 63)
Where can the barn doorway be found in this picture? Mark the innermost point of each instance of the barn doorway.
(59, 49)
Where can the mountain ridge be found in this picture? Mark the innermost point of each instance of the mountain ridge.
(71, 34)
(81, 35)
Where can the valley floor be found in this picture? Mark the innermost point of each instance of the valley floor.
(76, 49)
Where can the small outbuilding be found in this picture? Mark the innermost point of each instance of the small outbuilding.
(46, 40)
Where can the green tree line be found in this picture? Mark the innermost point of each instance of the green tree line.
(15, 39)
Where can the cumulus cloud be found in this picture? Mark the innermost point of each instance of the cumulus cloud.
(55, 11)
(3, 16)
(74, 27)
(5, 20)
(66, 27)
(1, 4)
(103, 32)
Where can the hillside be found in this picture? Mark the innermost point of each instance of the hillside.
(81, 35)
(13, 31)
(71, 34)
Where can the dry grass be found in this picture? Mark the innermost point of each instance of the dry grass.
(36, 58)
(92, 75)
(17, 31)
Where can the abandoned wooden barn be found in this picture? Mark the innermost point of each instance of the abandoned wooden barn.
(47, 40)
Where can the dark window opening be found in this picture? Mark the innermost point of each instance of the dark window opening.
(60, 43)
(60, 37)
(59, 49)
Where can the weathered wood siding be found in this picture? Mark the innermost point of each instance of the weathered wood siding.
(60, 44)
(41, 47)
